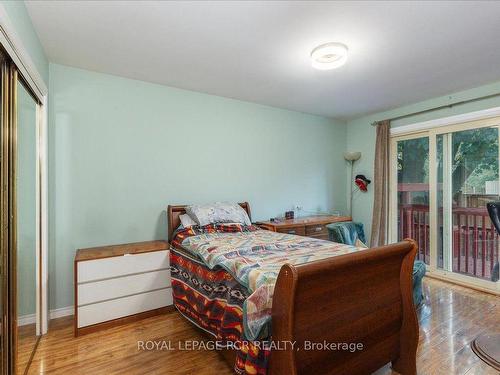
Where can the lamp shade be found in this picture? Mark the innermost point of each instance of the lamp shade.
(352, 155)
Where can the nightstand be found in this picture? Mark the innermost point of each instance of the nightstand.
(121, 283)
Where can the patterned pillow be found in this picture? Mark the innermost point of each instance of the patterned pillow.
(219, 212)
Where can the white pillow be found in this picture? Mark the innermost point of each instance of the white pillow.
(219, 212)
(186, 221)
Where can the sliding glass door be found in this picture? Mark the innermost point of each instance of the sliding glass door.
(413, 192)
(470, 175)
(441, 181)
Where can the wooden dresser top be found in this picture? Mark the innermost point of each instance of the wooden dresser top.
(100, 252)
(306, 220)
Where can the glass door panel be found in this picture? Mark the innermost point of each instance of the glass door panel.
(473, 180)
(26, 191)
(413, 193)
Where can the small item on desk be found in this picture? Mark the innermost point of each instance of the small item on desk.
(289, 215)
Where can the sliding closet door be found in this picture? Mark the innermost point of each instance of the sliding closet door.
(26, 223)
(7, 224)
(20, 219)
(4, 265)
(23, 202)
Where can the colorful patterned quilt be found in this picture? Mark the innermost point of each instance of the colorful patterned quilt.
(254, 258)
(213, 301)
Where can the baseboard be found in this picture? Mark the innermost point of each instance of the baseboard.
(26, 319)
(53, 314)
(464, 283)
(60, 312)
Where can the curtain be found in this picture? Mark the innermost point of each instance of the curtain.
(380, 215)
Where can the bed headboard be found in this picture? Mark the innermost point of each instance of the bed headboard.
(173, 213)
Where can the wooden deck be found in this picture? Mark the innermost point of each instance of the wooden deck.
(450, 318)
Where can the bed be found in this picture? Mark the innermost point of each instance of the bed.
(311, 306)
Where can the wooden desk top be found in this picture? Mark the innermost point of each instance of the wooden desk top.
(305, 220)
(119, 250)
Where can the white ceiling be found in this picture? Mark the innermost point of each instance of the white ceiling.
(400, 52)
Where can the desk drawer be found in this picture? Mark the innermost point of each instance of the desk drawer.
(107, 268)
(316, 230)
(320, 237)
(299, 231)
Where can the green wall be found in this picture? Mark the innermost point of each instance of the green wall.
(21, 20)
(121, 150)
(361, 136)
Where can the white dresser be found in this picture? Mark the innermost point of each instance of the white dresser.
(121, 283)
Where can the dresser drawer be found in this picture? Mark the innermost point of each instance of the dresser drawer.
(316, 230)
(98, 291)
(111, 267)
(121, 307)
(299, 231)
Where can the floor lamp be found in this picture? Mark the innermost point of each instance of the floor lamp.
(351, 157)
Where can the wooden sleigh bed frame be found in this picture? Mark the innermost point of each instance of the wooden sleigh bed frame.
(363, 297)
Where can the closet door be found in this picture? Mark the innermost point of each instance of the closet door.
(4, 237)
(20, 221)
(27, 223)
(23, 297)
(7, 222)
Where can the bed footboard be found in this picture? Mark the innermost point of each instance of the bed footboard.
(361, 301)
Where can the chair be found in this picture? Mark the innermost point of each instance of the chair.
(349, 232)
(487, 345)
(494, 211)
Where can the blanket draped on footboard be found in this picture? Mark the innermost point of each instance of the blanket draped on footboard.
(213, 301)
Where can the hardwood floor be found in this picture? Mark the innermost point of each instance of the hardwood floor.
(26, 342)
(450, 318)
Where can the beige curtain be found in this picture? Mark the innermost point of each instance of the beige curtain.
(380, 215)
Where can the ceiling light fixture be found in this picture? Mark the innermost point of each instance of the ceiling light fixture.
(329, 56)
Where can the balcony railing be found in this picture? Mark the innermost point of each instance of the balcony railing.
(414, 223)
(474, 242)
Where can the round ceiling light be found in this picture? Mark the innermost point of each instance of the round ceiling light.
(329, 56)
